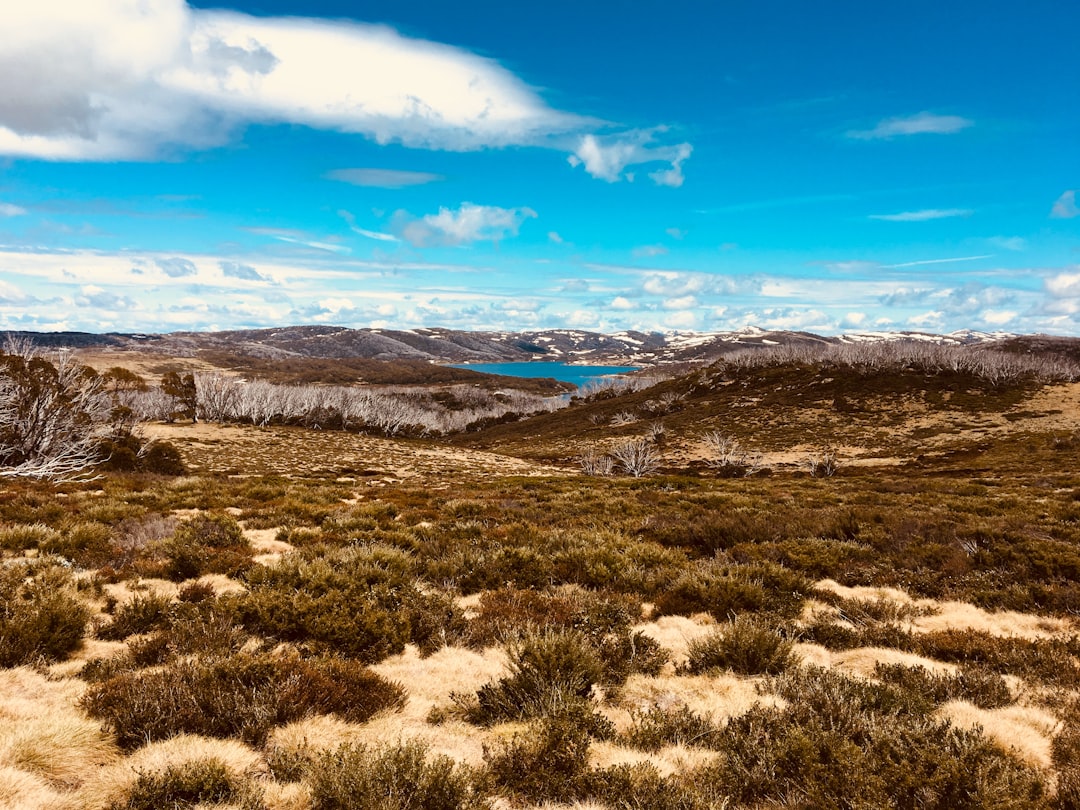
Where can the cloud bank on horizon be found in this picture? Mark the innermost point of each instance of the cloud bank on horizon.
(165, 166)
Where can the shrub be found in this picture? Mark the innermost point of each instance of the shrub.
(548, 672)
(726, 590)
(197, 782)
(20, 537)
(843, 742)
(145, 612)
(656, 727)
(547, 764)
(987, 690)
(243, 696)
(207, 544)
(353, 601)
(39, 619)
(86, 543)
(399, 777)
(747, 646)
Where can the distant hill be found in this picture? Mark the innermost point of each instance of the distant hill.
(436, 345)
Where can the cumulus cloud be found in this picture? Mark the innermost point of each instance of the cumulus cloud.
(176, 268)
(121, 78)
(9, 210)
(1064, 285)
(924, 215)
(469, 223)
(382, 178)
(136, 79)
(919, 124)
(243, 272)
(98, 298)
(607, 157)
(1065, 206)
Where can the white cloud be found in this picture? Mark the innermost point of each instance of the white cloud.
(607, 157)
(469, 223)
(683, 302)
(675, 233)
(924, 215)
(554, 238)
(681, 320)
(122, 78)
(927, 320)
(244, 272)
(854, 319)
(649, 251)
(623, 303)
(998, 317)
(1065, 206)
(176, 267)
(376, 235)
(919, 124)
(1064, 285)
(1014, 243)
(135, 79)
(9, 210)
(382, 178)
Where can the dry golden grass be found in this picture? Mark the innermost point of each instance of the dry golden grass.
(715, 697)
(20, 790)
(864, 593)
(668, 761)
(677, 633)
(113, 783)
(963, 616)
(1025, 730)
(61, 748)
(862, 661)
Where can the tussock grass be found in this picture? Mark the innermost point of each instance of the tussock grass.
(61, 748)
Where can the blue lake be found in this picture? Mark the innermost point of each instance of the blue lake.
(578, 375)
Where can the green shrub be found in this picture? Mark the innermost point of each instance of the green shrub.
(548, 672)
(546, 764)
(210, 543)
(86, 543)
(163, 458)
(747, 646)
(656, 727)
(39, 619)
(243, 696)
(843, 742)
(20, 537)
(143, 613)
(197, 782)
(399, 777)
(987, 690)
(727, 590)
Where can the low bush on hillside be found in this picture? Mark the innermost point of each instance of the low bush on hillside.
(746, 646)
(657, 727)
(727, 590)
(210, 543)
(39, 618)
(358, 601)
(196, 783)
(243, 696)
(397, 777)
(987, 690)
(842, 742)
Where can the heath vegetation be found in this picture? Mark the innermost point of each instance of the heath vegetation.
(376, 617)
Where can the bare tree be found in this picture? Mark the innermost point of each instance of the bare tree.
(594, 462)
(637, 457)
(53, 416)
(823, 464)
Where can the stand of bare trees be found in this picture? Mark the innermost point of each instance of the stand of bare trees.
(390, 411)
(54, 415)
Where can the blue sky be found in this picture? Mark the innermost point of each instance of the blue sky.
(686, 165)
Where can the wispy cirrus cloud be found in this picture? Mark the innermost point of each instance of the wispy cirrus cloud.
(383, 178)
(924, 215)
(376, 235)
(924, 123)
(1065, 206)
(9, 210)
